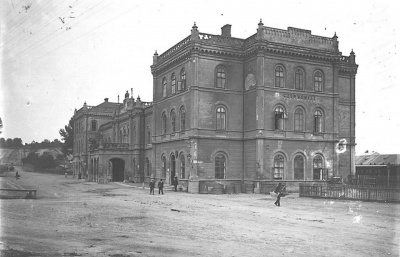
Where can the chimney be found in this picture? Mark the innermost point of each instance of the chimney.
(226, 30)
(106, 100)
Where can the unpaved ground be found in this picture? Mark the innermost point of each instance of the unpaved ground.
(77, 218)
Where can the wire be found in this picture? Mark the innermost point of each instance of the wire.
(74, 39)
(60, 32)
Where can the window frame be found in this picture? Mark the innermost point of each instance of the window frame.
(299, 79)
(220, 76)
(318, 81)
(296, 168)
(279, 122)
(298, 121)
(218, 167)
(182, 113)
(164, 87)
(318, 167)
(221, 118)
(164, 123)
(279, 76)
(183, 79)
(182, 165)
(279, 166)
(94, 124)
(318, 121)
(173, 84)
(173, 121)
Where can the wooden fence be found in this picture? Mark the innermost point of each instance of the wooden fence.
(350, 192)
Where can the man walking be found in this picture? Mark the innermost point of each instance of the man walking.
(161, 187)
(279, 190)
(152, 185)
(175, 183)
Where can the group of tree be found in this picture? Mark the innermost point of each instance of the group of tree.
(17, 142)
(67, 135)
(44, 161)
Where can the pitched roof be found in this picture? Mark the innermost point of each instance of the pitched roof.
(378, 159)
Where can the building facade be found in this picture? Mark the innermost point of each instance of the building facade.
(276, 106)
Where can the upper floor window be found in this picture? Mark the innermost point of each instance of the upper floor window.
(318, 79)
(221, 77)
(173, 83)
(299, 119)
(148, 136)
(173, 121)
(279, 116)
(220, 166)
(279, 77)
(183, 118)
(318, 121)
(299, 79)
(279, 166)
(94, 125)
(164, 87)
(164, 123)
(183, 80)
(221, 118)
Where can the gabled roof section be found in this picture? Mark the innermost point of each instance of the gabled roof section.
(378, 159)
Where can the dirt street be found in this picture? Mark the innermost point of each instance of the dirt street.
(78, 218)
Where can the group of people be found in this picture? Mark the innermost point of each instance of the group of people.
(160, 185)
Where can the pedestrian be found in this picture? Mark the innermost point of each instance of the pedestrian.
(152, 185)
(279, 191)
(79, 175)
(17, 175)
(175, 183)
(161, 187)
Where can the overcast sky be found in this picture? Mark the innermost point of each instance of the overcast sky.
(55, 55)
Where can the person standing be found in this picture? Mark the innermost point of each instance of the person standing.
(17, 175)
(175, 183)
(279, 191)
(161, 187)
(152, 185)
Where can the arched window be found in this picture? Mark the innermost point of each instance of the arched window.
(183, 80)
(173, 166)
(318, 79)
(147, 167)
(279, 166)
(279, 115)
(221, 118)
(173, 121)
(182, 165)
(299, 167)
(299, 79)
(220, 166)
(173, 83)
(299, 119)
(94, 125)
(318, 168)
(164, 123)
(318, 121)
(148, 136)
(134, 167)
(164, 87)
(164, 166)
(120, 136)
(221, 77)
(183, 118)
(279, 77)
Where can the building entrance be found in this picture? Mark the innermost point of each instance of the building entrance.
(117, 168)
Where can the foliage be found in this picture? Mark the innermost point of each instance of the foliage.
(45, 161)
(67, 135)
(1, 125)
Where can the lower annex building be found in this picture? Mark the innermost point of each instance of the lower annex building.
(276, 106)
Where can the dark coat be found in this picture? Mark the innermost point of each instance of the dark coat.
(152, 184)
(161, 184)
(175, 182)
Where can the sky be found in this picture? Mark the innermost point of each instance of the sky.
(56, 55)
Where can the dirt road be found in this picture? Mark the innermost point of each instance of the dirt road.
(78, 218)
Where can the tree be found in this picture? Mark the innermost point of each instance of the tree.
(2, 142)
(17, 142)
(1, 125)
(67, 135)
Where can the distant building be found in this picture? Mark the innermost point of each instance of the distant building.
(276, 106)
(378, 169)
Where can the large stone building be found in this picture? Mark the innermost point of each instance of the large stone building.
(278, 105)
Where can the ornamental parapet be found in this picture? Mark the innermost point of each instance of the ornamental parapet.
(220, 40)
(173, 49)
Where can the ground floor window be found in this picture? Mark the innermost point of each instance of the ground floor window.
(318, 168)
(299, 167)
(220, 166)
(164, 166)
(182, 165)
(279, 166)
